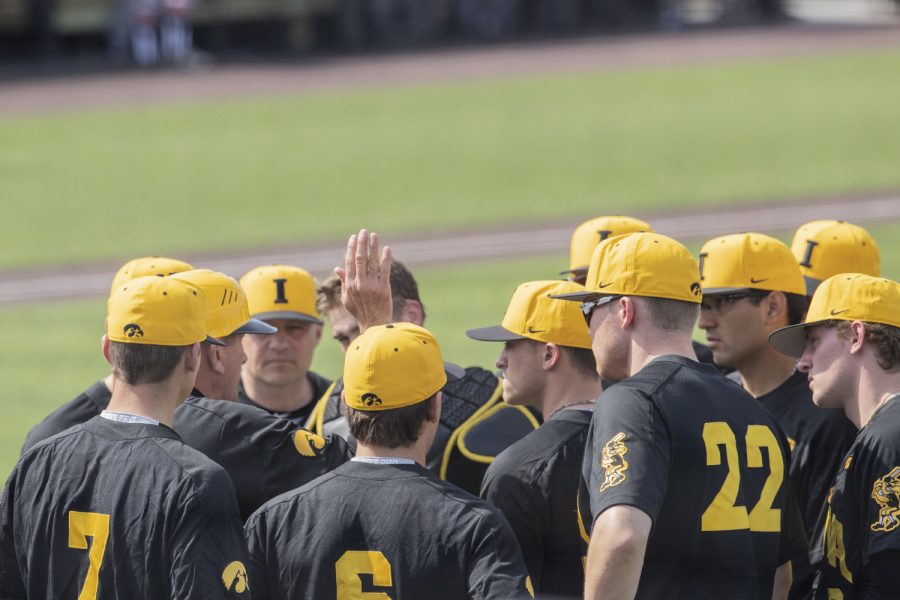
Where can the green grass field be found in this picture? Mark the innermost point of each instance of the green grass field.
(53, 350)
(117, 184)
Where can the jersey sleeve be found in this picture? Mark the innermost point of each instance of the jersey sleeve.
(518, 500)
(209, 554)
(495, 565)
(11, 584)
(880, 487)
(794, 537)
(630, 452)
(255, 532)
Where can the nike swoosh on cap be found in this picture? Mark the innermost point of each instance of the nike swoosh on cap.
(603, 285)
(835, 313)
(752, 280)
(533, 330)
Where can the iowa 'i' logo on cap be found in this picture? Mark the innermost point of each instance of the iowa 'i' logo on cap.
(370, 399)
(133, 330)
(234, 577)
(612, 459)
(886, 494)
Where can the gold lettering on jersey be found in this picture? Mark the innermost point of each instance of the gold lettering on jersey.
(835, 594)
(886, 493)
(848, 462)
(834, 546)
(612, 460)
(308, 443)
(352, 564)
(528, 586)
(234, 577)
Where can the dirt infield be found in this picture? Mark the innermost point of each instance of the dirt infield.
(94, 92)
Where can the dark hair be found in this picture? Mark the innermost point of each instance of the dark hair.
(144, 363)
(884, 339)
(583, 360)
(403, 288)
(672, 315)
(391, 428)
(796, 306)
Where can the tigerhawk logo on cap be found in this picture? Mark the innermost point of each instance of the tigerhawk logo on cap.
(133, 330)
(234, 577)
(886, 493)
(696, 289)
(370, 399)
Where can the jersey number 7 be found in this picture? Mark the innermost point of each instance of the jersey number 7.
(722, 514)
(81, 526)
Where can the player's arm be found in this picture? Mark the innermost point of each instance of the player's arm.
(783, 580)
(881, 576)
(495, 566)
(11, 584)
(257, 541)
(616, 553)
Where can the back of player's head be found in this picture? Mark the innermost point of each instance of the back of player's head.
(827, 248)
(281, 292)
(593, 231)
(843, 299)
(148, 265)
(150, 322)
(227, 310)
(403, 288)
(392, 368)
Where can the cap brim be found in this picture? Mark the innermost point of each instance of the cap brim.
(791, 340)
(728, 290)
(579, 296)
(214, 341)
(454, 371)
(256, 326)
(812, 284)
(493, 334)
(288, 315)
(576, 271)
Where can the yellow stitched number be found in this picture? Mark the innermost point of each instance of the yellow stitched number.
(354, 563)
(834, 594)
(763, 517)
(723, 514)
(834, 546)
(81, 526)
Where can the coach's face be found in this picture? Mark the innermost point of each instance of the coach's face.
(285, 356)
(825, 362)
(735, 329)
(523, 377)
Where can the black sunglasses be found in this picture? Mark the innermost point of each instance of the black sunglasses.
(587, 308)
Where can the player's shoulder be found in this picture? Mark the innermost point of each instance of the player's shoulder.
(310, 496)
(235, 415)
(881, 435)
(79, 409)
(531, 456)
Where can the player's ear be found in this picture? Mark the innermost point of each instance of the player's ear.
(413, 312)
(104, 347)
(192, 357)
(550, 357)
(214, 356)
(857, 336)
(626, 310)
(776, 305)
(434, 407)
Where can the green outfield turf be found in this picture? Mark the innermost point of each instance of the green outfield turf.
(52, 351)
(120, 183)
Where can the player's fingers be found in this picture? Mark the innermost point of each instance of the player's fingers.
(373, 253)
(342, 274)
(362, 253)
(350, 259)
(387, 259)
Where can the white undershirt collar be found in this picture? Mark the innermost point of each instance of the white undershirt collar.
(121, 417)
(381, 460)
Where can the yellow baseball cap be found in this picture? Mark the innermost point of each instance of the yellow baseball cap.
(281, 292)
(392, 366)
(641, 264)
(148, 265)
(590, 233)
(533, 314)
(745, 261)
(826, 248)
(227, 311)
(162, 311)
(844, 297)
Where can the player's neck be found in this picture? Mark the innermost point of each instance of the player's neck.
(875, 387)
(765, 371)
(211, 386)
(157, 401)
(645, 349)
(280, 398)
(571, 390)
(416, 452)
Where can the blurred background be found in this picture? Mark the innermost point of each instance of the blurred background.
(473, 135)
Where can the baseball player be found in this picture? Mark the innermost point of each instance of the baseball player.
(849, 349)
(826, 248)
(476, 424)
(683, 491)
(277, 377)
(92, 401)
(751, 287)
(119, 507)
(264, 455)
(547, 364)
(398, 531)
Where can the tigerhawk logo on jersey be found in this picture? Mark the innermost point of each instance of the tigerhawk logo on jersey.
(886, 493)
(234, 577)
(370, 399)
(612, 459)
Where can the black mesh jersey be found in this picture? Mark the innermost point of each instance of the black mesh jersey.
(383, 531)
(864, 515)
(115, 510)
(708, 464)
(300, 416)
(534, 483)
(818, 439)
(263, 454)
(84, 407)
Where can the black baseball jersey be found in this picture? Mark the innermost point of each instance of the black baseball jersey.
(818, 438)
(863, 522)
(300, 416)
(709, 465)
(116, 510)
(81, 409)
(534, 483)
(265, 455)
(383, 531)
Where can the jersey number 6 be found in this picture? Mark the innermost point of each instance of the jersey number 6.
(354, 563)
(722, 514)
(81, 526)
